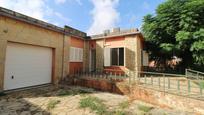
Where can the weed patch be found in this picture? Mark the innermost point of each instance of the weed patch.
(63, 92)
(124, 105)
(97, 105)
(144, 108)
(94, 103)
(118, 112)
(51, 104)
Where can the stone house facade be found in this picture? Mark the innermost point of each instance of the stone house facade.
(33, 52)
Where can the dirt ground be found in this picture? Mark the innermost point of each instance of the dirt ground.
(65, 100)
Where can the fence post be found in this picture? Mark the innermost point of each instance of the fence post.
(111, 75)
(164, 81)
(145, 79)
(178, 85)
(169, 83)
(189, 87)
(115, 76)
(201, 91)
(151, 80)
(120, 75)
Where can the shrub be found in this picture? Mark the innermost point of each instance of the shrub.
(51, 104)
(71, 92)
(144, 108)
(124, 105)
(95, 104)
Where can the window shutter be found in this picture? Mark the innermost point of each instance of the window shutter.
(107, 57)
(71, 55)
(81, 55)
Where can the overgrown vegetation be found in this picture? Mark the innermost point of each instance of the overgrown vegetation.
(124, 105)
(144, 108)
(177, 29)
(72, 92)
(95, 104)
(52, 104)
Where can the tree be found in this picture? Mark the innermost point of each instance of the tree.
(177, 29)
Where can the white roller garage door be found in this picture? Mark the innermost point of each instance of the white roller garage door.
(27, 65)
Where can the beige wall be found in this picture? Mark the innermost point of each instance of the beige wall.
(133, 47)
(15, 31)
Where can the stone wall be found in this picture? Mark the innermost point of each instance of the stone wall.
(130, 52)
(100, 55)
(133, 52)
(167, 100)
(66, 57)
(86, 56)
(20, 32)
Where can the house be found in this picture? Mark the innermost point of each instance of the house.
(33, 52)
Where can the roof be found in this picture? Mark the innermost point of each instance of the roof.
(21, 17)
(115, 33)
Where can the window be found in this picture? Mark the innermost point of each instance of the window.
(114, 56)
(76, 54)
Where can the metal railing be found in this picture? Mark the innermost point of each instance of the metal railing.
(101, 75)
(193, 74)
(172, 83)
(169, 83)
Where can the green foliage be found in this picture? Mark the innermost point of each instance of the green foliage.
(118, 113)
(94, 104)
(177, 29)
(71, 92)
(97, 105)
(51, 104)
(144, 108)
(124, 105)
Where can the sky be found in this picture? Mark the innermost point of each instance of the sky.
(90, 16)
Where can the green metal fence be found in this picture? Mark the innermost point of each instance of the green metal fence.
(193, 74)
(177, 84)
(169, 83)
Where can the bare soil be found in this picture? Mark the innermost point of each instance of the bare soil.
(36, 102)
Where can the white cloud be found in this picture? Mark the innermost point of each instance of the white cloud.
(105, 15)
(63, 1)
(34, 8)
